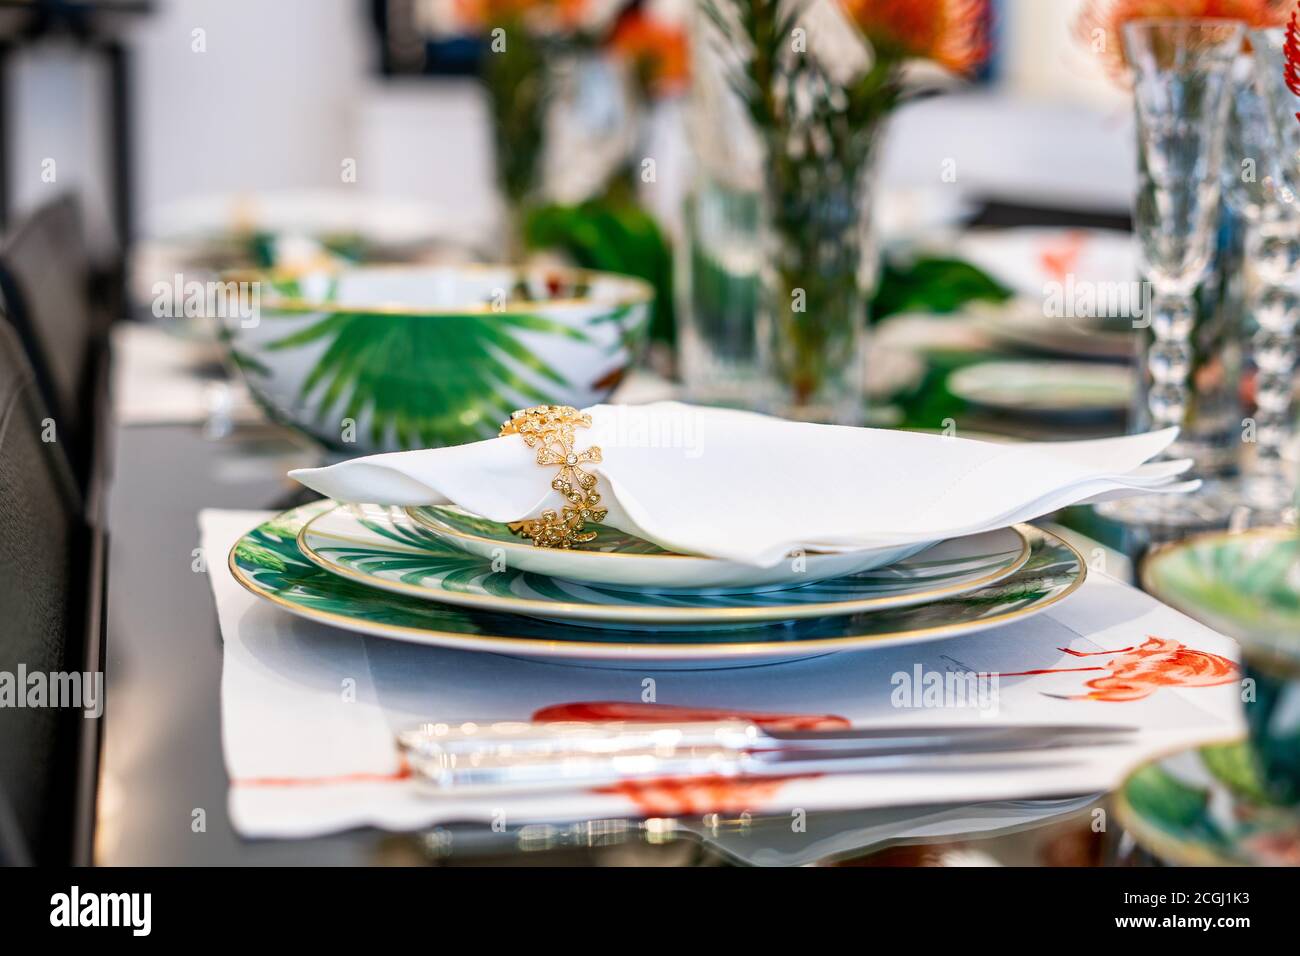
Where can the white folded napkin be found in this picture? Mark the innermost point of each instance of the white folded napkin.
(752, 489)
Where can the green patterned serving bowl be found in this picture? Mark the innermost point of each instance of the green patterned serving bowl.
(385, 358)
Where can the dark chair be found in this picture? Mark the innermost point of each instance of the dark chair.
(45, 279)
(45, 549)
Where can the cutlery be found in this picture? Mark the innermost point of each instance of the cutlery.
(515, 755)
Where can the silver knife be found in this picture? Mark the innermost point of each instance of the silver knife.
(497, 756)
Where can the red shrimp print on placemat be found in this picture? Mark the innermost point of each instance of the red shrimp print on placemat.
(1134, 673)
(696, 795)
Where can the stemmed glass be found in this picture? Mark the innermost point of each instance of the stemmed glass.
(1270, 134)
(1255, 185)
(1180, 73)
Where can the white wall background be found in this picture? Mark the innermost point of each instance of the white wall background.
(57, 97)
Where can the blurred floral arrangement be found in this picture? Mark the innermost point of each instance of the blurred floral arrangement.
(816, 104)
(1100, 22)
(656, 50)
(813, 151)
(523, 40)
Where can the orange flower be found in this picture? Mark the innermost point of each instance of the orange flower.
(1101, 22)
(949, 32)
(656, 50)
(484, 13)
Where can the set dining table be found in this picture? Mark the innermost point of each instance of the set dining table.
(610, 435)
(161, 781)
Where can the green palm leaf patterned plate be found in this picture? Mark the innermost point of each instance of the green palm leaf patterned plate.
(1246, 585)
(1206, 806)
(384, 548)
(617, 559)
(268, 562)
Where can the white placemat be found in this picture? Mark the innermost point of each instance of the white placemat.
(309, 712)
(157, 380)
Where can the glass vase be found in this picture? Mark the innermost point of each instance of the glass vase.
(719, 275)
(779, 261)
(818, 271)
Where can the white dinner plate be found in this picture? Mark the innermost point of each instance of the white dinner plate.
(621, 560)
(383, 548)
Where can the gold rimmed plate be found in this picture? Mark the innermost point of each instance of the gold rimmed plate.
(384, 548)
(1208, 806)
(268, 562)
(618, 559)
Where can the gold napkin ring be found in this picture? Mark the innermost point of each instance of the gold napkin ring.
(550, 429)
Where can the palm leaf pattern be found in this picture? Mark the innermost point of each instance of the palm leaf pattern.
(419, 558)
(1173, 803)
(269, 561)
(607, 538)
(1180, 807)
(1242, 585)
(1244, 580)
(426, 380)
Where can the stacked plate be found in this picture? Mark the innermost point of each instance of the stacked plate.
(439, 575)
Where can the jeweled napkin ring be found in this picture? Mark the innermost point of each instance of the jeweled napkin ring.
(550, 429)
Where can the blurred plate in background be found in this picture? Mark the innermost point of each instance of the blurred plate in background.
(1023, 325)
(1027, 259)
(1056, 389)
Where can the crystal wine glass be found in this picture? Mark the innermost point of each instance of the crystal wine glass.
(1269, 130)
(1180, 73)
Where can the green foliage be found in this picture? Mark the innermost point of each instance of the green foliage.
(932, 284)
(1234, 764)
(611, 234)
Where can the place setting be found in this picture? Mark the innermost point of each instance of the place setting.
(504, 595)
(420, 565)
(487, 681)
